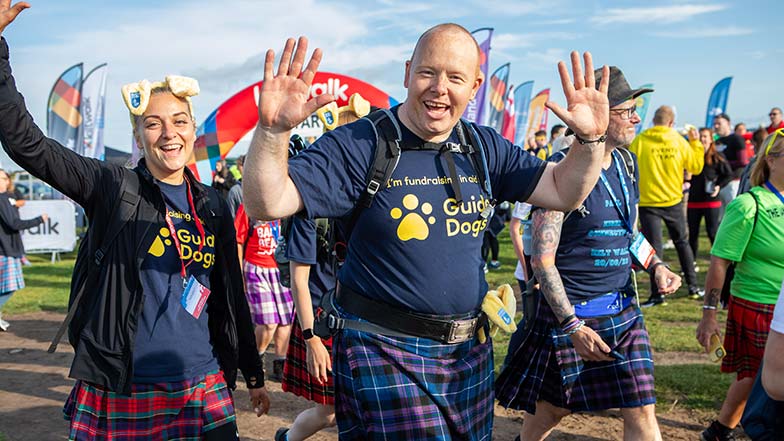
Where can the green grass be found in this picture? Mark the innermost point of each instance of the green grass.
(46, 286)
(671, 327)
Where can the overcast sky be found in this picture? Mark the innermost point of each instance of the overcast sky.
(683, 47)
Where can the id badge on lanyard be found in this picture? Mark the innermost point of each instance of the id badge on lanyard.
(642, 250)
(194, 294)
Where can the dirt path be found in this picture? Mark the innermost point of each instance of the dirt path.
(34, 386)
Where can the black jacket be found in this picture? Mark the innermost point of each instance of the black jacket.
(10, 226)
(720, 173)
(104, 325)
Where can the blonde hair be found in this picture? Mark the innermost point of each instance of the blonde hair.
(760, 172)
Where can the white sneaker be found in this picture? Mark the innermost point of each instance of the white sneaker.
(3, 324)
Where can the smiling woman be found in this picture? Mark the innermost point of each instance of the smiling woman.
(147, 333)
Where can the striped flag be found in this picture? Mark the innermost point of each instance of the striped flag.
(63, 111)
(475, 110)
(498, 91)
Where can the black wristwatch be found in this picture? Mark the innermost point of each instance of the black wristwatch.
(307, 334)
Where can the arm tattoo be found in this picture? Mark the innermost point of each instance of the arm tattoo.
(712, 297)
(545, 238)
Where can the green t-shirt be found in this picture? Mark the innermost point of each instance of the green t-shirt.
(760, 268)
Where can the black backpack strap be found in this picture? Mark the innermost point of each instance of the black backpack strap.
(469, 135)
(122, 212)
(628, 161)
(386, 156)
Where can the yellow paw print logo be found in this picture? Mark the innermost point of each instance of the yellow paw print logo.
(413, 225)
(160, 243)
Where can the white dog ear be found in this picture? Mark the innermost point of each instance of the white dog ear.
(137, 96)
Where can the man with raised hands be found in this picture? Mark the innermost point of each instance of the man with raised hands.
(407, 362)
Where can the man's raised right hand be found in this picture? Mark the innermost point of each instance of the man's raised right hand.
(8, 13)
(285, 100)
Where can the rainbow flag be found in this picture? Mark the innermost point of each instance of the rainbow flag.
(498, 91)
(475, 110)
(63, 119)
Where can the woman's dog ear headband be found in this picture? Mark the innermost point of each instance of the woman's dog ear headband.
(137, 95)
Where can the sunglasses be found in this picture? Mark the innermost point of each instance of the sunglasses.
(776, 134)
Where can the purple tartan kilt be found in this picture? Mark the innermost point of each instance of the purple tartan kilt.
(269, 302)
(411, 388)
(546, 366)
(11, 274)
(181, 410)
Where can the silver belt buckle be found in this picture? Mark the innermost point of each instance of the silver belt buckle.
(461, 330)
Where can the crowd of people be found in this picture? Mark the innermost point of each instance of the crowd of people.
(373, 294)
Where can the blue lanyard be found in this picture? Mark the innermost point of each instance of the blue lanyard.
(625, 217)
(776, 192)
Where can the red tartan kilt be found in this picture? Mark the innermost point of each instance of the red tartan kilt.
(748, 324)
(296, 378)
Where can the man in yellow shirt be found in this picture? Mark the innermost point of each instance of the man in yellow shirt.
(663, 154)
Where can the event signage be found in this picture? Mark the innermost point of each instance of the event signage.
(238, 115)
(58, 233)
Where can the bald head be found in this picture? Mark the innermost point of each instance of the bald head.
(664, 116)
(451, 31)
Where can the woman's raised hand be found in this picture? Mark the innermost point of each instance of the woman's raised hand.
(285, 99)
(8, 13)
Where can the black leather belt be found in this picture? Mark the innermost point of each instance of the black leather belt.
(446, 329)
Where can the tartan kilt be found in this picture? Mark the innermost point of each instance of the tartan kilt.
(546, 367)
(406, 388)
(748, 324)
(269, 302)
(296, 378)
(11, 274)
(164, 411)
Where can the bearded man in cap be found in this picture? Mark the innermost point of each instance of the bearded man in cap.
(586, 347)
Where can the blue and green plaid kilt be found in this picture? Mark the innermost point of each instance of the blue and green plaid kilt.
(11, 274)
(546, 367)
(164, 411)
(396, 388)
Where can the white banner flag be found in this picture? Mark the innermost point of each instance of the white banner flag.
(58, 233)
(93, 101)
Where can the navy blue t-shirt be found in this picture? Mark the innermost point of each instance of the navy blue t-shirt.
(593, 255)
(414, 247)
(171, 345)
(302, 248)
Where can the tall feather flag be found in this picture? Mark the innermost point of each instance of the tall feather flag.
(643, 102)
(717, 104)
(508, 128)
(63, 116)
(475, 110)
(522, 99)
(92, 110)
(537, 113)
(498, 91)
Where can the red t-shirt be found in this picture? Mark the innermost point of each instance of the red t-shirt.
(260, 246)
(772, 129)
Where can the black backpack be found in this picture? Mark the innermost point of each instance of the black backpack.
(386, 156)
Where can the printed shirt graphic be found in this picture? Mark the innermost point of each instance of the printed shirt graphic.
(263, 240)
(593, 253)
(415, 247)
(171, 345)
